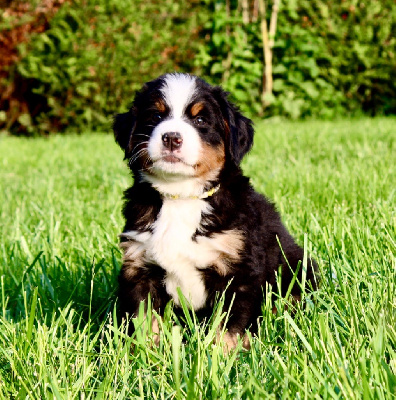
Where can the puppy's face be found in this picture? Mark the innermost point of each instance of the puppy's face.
(179, 127)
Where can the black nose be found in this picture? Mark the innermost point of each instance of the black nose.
(172, 140)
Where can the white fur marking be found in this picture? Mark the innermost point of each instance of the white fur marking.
(189, 152)
(170, 245)
(137, 236)
(178, 91)
(187, 187)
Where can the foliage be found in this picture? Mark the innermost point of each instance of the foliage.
(231, 56)
(330, 58)
(342, 56)
(61, 214)
(85, 63)
(96, 54)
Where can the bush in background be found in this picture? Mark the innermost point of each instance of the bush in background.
(329, 59)
(340, 58)
(96, 54)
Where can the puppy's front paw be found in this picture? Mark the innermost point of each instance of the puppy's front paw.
(229, 341)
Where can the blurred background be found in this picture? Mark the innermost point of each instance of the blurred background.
(70, 65)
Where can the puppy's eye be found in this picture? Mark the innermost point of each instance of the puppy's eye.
(157, 117)
(199, 121)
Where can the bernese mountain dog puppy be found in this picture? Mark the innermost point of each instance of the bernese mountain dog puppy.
(193, 221)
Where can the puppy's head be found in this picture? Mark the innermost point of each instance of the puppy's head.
(180, 126)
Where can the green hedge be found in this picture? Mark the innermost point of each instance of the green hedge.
(330, 58)
(97, 53)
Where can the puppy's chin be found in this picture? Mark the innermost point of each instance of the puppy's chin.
(172, 168)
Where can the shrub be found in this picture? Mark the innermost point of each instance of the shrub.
(96, 54)
(349, 52)
(231, 55)
(330, 58)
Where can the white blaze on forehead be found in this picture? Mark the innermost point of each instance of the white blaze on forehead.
(178, 91)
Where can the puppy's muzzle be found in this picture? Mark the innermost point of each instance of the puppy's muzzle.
(172, 140)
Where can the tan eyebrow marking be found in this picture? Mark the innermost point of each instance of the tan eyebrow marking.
(196, 108)
(160, 106)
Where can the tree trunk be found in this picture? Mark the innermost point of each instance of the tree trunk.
(268, 40)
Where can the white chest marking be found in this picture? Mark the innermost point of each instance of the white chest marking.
(171, 246)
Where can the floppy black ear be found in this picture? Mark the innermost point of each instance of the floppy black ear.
(239, 128)
(123, 127)
(241, 134)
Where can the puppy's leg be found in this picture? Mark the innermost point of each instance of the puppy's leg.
(229, 340)
(139, 285)
(243, 305)
(154, 328)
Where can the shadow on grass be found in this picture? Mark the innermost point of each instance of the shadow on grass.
(88, 285)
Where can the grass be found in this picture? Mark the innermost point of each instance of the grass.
(334, 183)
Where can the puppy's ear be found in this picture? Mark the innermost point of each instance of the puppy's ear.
(123, 127)
(239, 129)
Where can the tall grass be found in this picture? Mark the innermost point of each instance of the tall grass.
(60, 199)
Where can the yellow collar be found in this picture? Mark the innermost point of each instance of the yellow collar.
(204, 195)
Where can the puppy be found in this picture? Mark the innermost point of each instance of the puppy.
(193, 221)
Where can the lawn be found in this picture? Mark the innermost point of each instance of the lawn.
(61, 199)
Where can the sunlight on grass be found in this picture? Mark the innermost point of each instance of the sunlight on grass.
(61, 200)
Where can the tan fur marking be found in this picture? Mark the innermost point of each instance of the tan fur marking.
(155, 329)
(230, 245)
(221, 266)
(133, 257)
(246, 342)
(145, 218)
(296, 298)
(227, 127)
(211, 159)
(196, 108)
(230, 341)
(160, 106)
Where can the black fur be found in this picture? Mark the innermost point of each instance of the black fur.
(235, 206)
